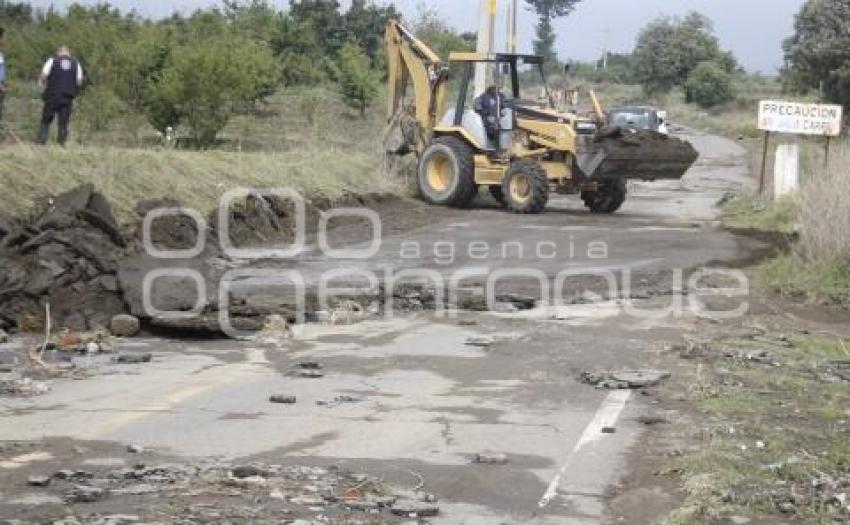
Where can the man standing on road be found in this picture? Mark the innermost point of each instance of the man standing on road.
(61, 78)
(2, 73)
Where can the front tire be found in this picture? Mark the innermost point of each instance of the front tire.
(526, 187)
(446, 174)
(608, 197)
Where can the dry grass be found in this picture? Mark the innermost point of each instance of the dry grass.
(818, 269)
(302, 139)
(825, 210)
(196, 179)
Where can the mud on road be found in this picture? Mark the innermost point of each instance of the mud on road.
(481, 416)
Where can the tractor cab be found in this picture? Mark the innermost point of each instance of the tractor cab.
(516, 84)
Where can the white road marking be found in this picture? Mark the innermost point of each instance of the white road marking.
(606, 416)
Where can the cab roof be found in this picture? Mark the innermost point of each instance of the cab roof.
(463, 56)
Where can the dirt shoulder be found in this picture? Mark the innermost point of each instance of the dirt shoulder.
(754, 425)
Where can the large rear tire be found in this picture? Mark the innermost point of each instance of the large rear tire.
(608, 197)
(526, 187)
(446, 173)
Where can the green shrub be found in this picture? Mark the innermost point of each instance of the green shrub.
(206, 82)
(99, 107)
(669, 49)
(710, 85)
(358, 82)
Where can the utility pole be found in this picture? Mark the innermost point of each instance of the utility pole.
(486, 41)
(606, 47)
(510, 33)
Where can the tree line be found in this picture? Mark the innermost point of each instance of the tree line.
(199, 70)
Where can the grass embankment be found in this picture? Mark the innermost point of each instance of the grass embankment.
(305, 140)
(817, 267)
(775, 434)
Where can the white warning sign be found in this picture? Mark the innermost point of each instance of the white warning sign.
(800, 118)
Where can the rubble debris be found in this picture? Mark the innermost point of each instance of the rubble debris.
(73, 475)
(310, 365)
(85, 494)
(307, 374)
(249, 471)
(835, 371)
(652, 420)
(490, 459)
(124, 325)
(66, 255)
(414, 509)
(116, 519)
(760, 357)
(135, 449)
(625, 379)
(134, 359)
(23, 387)
(481, 342)
(4, 337)
(338, 400)
(38, 481)
(283, 400)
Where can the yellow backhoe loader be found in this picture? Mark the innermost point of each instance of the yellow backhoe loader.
(534, 149)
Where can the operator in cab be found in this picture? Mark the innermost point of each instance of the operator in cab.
(490, 105)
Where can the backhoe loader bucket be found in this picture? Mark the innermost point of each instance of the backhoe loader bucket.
(636, 154)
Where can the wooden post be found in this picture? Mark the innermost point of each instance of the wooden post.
(764, 162)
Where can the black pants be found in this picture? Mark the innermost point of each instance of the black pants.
(54, 105)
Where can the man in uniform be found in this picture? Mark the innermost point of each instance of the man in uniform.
(61, 78)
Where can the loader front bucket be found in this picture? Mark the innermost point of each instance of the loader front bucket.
(636, 154)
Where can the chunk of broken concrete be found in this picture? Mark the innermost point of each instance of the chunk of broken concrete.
(309, 374)
(641, 378)
(124, 325)
(249, 471)
(38, 481)
(133, 359)
(413, 509)
(480, 342)
(625, 379)
(85, 494)
(491, 459)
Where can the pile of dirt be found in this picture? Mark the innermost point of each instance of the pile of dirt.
(66, 256)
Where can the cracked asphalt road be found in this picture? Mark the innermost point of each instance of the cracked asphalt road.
(421, 399)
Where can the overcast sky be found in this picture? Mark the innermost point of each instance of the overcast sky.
(753, 29)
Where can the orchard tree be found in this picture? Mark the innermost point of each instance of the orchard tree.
(358, 82)
(547, 10)
(204, 83)
(432, 29)
(668, 49)
(710, 85)
(819, 52)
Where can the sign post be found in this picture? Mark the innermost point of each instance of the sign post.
(764, 162)
(797, 118)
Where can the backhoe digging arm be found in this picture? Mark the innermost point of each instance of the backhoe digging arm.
(411, 62)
